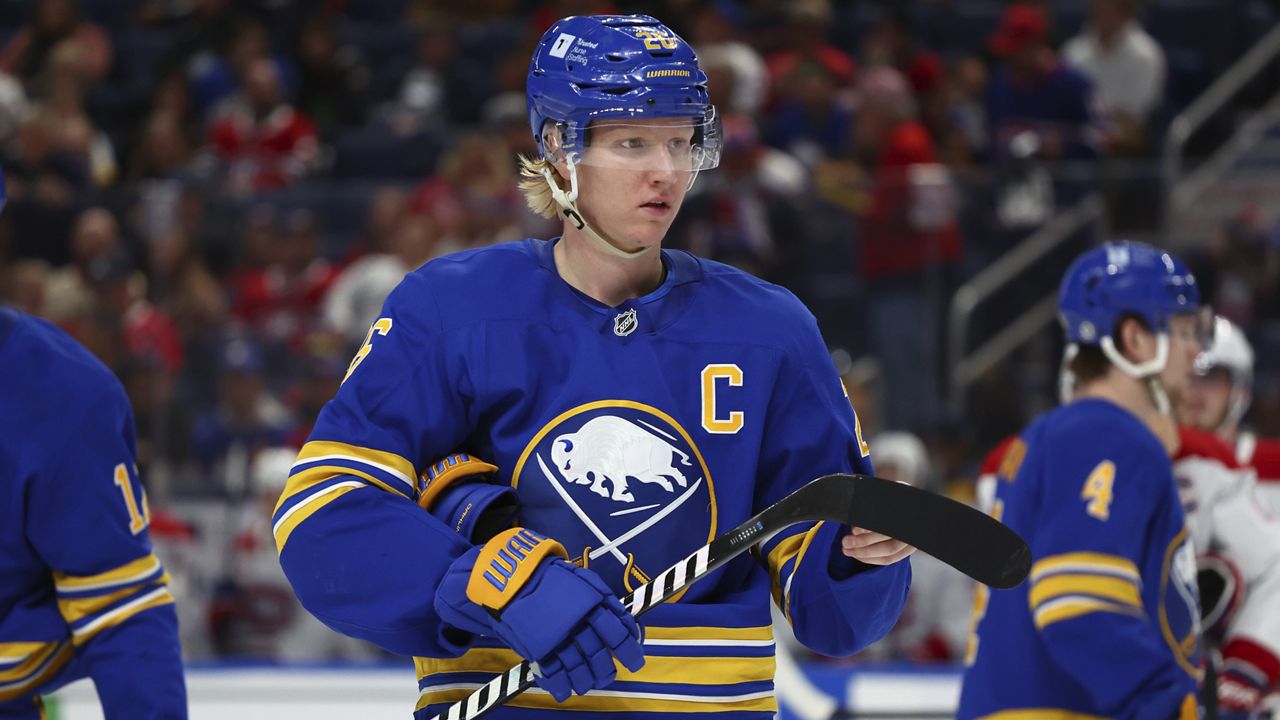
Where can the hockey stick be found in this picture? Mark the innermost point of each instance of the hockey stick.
(964, 538)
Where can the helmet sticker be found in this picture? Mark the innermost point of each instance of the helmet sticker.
(561, 45)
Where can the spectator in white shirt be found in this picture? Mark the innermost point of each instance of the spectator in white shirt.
(355, 298)
(1125, 64)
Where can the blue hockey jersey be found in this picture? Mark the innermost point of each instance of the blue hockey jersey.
(632, 434)
(1108, 623)
(81, 593)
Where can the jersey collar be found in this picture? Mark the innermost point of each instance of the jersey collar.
(657, 309)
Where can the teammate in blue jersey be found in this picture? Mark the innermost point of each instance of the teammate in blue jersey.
(1108, 623)
(634, 402)
(81, 594)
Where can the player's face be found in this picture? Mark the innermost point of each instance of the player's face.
(1208, 397)
(1184, 346)
(633, 179)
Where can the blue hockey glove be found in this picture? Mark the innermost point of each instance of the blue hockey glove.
(464, 492)
(517, 587)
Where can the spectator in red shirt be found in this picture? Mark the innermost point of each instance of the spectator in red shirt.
(805, 41)
(908, 241)
(261, 142)
(810, 81)
(909, 225)
(280, 297)
(470, 199)
(149, 332)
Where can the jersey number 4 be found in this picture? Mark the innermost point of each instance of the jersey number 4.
(1097, 490)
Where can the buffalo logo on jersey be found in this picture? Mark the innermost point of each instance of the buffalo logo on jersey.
(1180, 604)
(622, 485)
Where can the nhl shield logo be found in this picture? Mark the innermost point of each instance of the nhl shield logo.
(625, 323)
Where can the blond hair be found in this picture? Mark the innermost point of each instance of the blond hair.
(537, 194)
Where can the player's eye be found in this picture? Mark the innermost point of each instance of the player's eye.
(632, 144)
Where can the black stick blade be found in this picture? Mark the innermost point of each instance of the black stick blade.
(965, 538)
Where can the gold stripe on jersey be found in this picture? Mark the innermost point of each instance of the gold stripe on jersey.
(387, 462)
(696, 633)
(804, 548)
(307, 507)
(1102, 586)
(126, 574)
(35, 655)
(784, 550)
(1071, 606)
(607, 700)
(156, 598)
(671, 670)
(1040, 714)
(57, 656)
(81, 608)
(1086, 562)
(301, 482)
(13, 652)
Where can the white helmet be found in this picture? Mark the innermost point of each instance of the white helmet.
(270, 469)
(905, 451)
(1230, 350)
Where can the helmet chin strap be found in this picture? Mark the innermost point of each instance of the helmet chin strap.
(1237, 406)
(1066, 378)
(1148, 371)
(569, 206)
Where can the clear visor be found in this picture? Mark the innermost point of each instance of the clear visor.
(660, 145)
(1198, 326)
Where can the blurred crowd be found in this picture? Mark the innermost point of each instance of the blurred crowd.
(215, 197)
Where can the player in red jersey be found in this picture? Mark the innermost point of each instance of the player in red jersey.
(1218, 400)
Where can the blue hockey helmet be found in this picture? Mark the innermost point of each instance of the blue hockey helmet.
(1120, 279)
(599, 67)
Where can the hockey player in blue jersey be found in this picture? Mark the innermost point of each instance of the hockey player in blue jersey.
(81, 593)
(634, 402)
(1108, 623)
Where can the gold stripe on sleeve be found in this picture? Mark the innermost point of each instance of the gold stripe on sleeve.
(1085, 562)
(1110, 588)
(61, 656)
(128, 573)
(285, 526)
(1075, 606)
(160, 596)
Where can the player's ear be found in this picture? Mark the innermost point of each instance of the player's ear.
(1135, 341)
